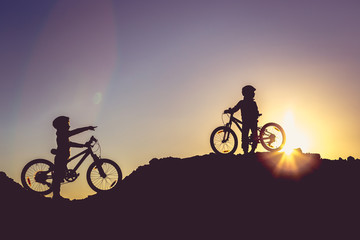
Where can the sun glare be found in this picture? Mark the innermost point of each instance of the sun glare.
(295, 136)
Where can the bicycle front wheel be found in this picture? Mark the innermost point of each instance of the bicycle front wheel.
(37, 176)
(272, 137)
(106, 178)
(223, 140)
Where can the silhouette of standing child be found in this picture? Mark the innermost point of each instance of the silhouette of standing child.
(62, 126)
(249, 115)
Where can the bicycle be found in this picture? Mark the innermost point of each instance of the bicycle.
(102, 174)
(223, 139)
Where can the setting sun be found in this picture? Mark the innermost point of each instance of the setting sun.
(295, 135)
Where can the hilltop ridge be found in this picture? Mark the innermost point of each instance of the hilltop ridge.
(202, 196)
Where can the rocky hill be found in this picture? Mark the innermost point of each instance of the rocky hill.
(211, 196)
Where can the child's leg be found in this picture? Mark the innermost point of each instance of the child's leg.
(245, 139)
(59, 174)
(56, 184)
(254, 143)
(254, 136)
(56, 189)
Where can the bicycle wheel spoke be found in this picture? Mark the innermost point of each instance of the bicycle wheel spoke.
(102, 183)
(35, 170)
(272, 137)
(220, 145)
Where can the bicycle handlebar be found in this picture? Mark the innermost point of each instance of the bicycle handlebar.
(227, 111)
(91, 141)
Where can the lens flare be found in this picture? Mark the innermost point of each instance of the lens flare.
(293, 166)
(97, 98)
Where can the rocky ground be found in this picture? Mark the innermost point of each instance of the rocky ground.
(265, 195)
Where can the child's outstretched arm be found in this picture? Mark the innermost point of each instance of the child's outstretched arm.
(234, 109)
(80, 130)
(77, 145)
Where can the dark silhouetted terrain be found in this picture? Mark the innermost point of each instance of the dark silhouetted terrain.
(202, 197)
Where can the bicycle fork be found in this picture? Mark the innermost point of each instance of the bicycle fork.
(226, 134)
(98, 163)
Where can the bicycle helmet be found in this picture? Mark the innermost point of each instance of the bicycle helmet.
(248, 89)
(60, 122)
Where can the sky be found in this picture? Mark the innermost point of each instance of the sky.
(155, 76)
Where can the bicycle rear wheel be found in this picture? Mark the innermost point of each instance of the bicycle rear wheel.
(223, 140)
(109, 181)
(37, 176)
(272, 137)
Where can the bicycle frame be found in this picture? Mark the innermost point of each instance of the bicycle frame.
(237, 123)
(86, 153)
